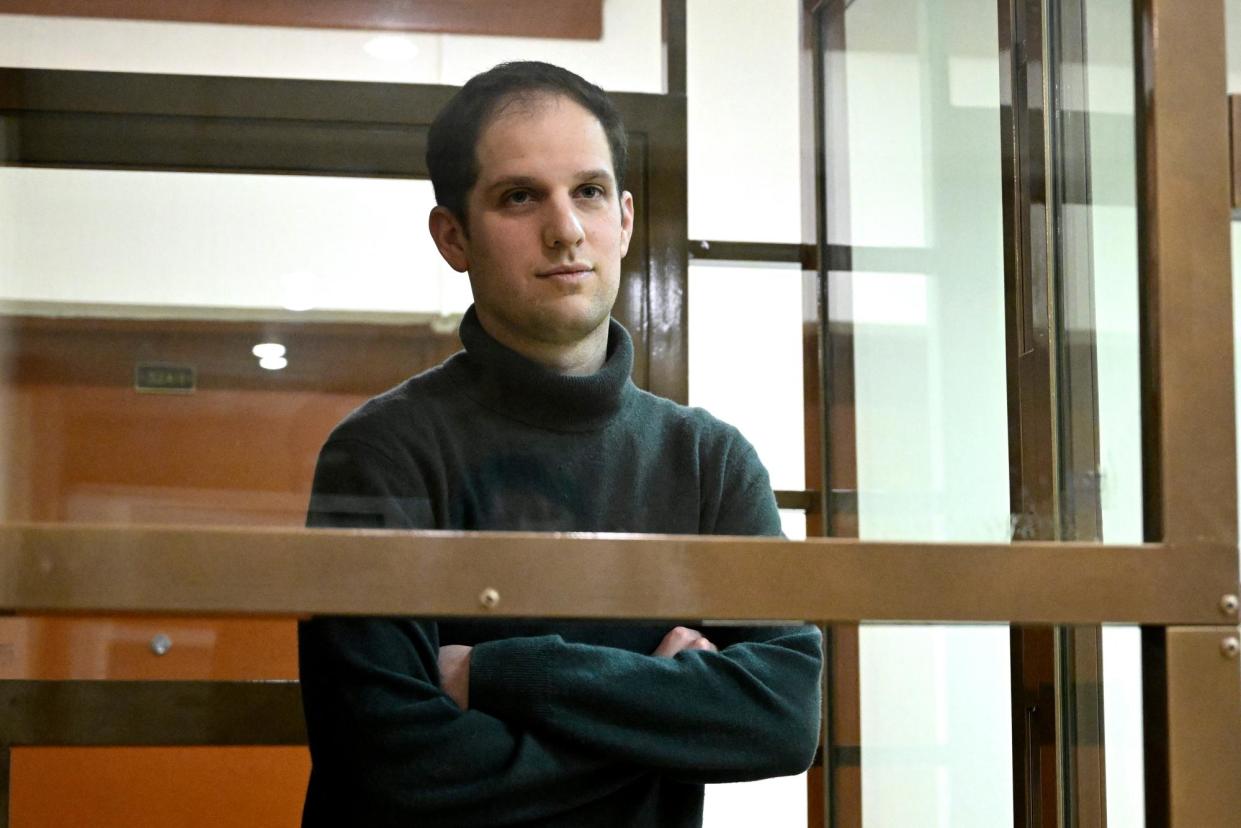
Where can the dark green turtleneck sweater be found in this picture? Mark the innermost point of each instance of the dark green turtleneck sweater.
(570, 724)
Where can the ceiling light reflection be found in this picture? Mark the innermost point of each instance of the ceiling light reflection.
(268, 350)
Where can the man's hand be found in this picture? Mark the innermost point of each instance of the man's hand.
(454, 664)
(678, 639)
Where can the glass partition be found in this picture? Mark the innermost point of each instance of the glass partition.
(918, 205)
(175, 346)
(982, 195)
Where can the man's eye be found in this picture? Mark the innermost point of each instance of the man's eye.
(517, 197)
(591, 191)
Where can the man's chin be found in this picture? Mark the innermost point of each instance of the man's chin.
(565, 324)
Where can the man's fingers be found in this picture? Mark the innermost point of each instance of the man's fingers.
(704, 644)
(678, 639)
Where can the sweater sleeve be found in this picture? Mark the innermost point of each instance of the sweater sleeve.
(388, 746)
(749, 711)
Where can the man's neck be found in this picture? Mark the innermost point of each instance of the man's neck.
(580, 358)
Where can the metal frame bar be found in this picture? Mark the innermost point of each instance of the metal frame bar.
(1191, 484)
(49, 568)
(1194, 783)
(149, 713)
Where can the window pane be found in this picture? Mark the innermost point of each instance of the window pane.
(744, 128)
(745, 366)
(227, 245)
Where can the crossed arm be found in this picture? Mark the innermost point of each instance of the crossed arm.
(454, 661)
(537, 743)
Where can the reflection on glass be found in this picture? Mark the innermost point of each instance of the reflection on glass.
(918, 199)
(627, 58)
(168, 241)
(175, 347)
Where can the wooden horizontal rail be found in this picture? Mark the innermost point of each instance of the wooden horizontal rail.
(149, 713)
(53, 568)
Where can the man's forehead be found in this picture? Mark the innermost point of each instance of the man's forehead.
(535, 130)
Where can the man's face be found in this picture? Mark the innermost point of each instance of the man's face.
(547, 227)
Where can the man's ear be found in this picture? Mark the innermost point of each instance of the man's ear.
(450, 238)
(626, 205)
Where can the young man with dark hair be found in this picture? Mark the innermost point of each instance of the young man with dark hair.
(537, 426)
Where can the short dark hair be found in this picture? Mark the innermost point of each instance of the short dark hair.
(452, 158)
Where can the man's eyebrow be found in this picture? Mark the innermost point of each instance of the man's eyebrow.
(527, 181)
(511, 181)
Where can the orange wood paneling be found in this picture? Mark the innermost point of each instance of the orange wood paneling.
(119, 647)
(78, 444)
(158, 787)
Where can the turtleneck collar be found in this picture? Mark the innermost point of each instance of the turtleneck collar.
(508, 383)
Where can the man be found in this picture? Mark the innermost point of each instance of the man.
(537, 426)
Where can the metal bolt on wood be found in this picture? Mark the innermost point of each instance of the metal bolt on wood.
(1230, 647)
(1228, 604)
(488, 598)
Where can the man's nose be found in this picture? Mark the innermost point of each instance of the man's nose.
(561, 225)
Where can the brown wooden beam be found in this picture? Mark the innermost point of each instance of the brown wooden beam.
(576, 19)
(1234, 131)
(137, 713)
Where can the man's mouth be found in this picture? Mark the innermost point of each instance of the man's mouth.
(567, 271)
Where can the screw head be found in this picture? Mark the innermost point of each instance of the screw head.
(488, 598)
(1228, 605)
(1230, 647)
(161, 644)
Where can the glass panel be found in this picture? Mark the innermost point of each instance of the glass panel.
(120, 409)
(936, 748)
(1107, 229)
(916, 195)
(627, 58)
(220, 246)
(772, 803)
(745, 362)
(743, 120)
(1122, 731)
(745, 366)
